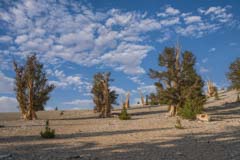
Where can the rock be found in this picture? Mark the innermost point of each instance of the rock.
(203, 117)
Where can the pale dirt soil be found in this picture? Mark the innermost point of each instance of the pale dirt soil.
(150, 135)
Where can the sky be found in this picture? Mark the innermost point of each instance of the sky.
(76, 39)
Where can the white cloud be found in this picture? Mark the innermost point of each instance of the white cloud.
(119, 91)
(172, 11)
(192, 19)
(137, 80)
(147, 89)
(218, 13)
(5, 39)
(77, 33)
(170, 21)
(64, 81)
(8, 104)
(21, 39)
(127, 57)
(204, 60)
(203, 70)
(164, 38)
(212, 49)
(6, 84)
(59, 84)
(233, 44)
(197, 29)
(49, 108)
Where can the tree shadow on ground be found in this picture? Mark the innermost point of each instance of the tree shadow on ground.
(13, 139)
(198, 146)
(225, 111)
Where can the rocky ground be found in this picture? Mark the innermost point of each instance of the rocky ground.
(149, 135)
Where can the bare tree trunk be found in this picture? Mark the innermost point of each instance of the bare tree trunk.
(107, 107)
(173, 110)
(127, 101)
(31, 113)
(142, 98)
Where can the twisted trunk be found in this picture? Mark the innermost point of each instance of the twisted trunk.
(31, 113)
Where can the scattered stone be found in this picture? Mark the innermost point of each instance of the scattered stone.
(203, 117)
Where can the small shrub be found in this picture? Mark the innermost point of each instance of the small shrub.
(48, 133)
(190, 109)
(178, 124)
(61, 113)
(124, 115)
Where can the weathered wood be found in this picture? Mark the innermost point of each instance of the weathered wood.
(126, 104)
(142, 97)
(203, 117)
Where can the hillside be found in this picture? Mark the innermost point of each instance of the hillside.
(149, 135)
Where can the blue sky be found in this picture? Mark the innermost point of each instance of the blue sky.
(76, 39)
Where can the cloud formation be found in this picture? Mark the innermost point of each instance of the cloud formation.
(6, 84)
(8, 104)
(76, 33)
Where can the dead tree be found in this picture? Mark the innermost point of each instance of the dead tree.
(212, 90)
(142, 98)
(126, 104)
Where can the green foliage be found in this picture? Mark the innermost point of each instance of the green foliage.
(153, 99)
(177, 79)
(234, 74)
(191, 108)
(178, 124)
(32, 70)
(102, 97)
(124, 115)
(48, 132)
(61, 113)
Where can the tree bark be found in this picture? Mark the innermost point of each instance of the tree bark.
(172, 111)
(127, 101)
(107, 107)
(31, 113)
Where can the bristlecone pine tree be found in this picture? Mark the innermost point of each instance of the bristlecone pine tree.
(234, 74)
(178, 81)
(103, 97)
(31, 87)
